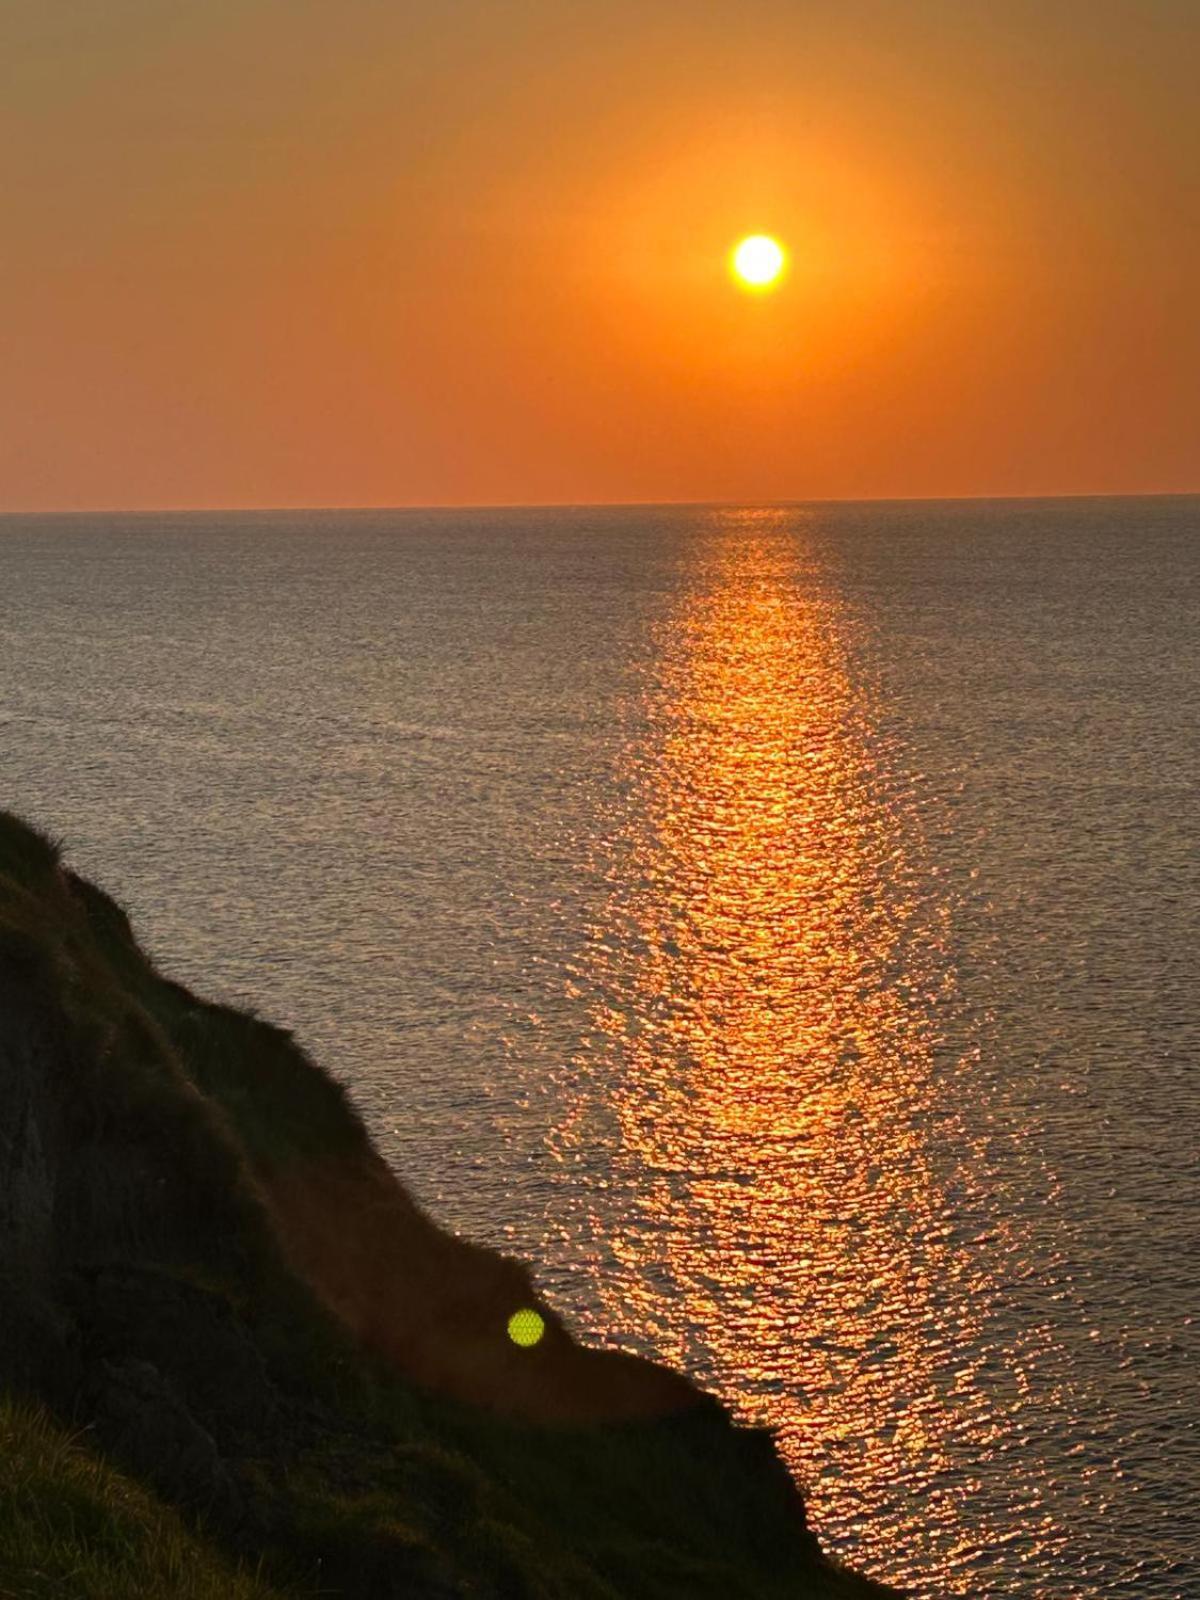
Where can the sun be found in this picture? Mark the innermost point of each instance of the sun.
(757, 262)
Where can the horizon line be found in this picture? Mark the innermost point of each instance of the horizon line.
(593, 505)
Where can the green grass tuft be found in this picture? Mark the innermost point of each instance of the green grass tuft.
(74, 1528)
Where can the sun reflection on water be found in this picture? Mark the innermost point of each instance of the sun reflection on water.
(769, 981)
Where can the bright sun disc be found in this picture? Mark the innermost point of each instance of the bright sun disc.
(758, 261)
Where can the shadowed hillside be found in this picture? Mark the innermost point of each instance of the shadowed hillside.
(240, 1360)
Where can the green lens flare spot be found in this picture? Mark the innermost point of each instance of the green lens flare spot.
(526, 1327)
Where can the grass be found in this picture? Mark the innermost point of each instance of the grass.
(74, 1528)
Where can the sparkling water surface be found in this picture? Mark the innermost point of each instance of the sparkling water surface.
(779, 924)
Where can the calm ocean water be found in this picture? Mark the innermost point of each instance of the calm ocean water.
(779, 923)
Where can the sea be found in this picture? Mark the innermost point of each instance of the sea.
(778, 924)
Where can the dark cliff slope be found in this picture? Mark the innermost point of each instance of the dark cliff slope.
(235, 1352)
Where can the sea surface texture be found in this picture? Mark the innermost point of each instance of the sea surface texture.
(779, 923)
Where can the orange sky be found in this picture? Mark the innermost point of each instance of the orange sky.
(293, 252)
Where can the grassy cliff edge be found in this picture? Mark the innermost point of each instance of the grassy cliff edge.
(239, 1359)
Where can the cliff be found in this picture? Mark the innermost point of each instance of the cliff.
(237, 1358)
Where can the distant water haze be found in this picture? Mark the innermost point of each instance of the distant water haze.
(777, 923)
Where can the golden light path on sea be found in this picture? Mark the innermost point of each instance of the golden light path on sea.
(764, 1041)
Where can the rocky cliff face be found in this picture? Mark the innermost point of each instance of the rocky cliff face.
(206, 1265)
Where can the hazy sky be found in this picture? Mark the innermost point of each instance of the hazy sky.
(326, 252)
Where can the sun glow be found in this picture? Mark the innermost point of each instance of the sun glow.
(757, 262)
